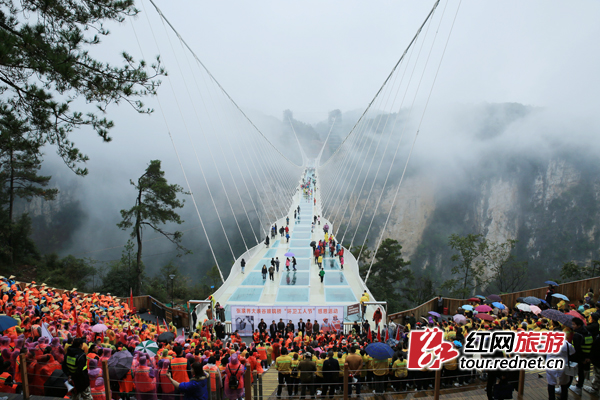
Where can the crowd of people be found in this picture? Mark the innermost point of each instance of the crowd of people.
(66, 335)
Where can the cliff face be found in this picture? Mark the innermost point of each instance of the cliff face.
(549, 207)
(506, 173)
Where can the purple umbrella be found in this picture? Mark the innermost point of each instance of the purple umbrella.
(494, 297)
(434, 314)
(289, 254)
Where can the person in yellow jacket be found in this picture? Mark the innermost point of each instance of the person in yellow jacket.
(400, 369)
(295, 374)
(380, 372)
(283, 363)
(364, 298)
(367, 366)
(319, 373)
(449, 372)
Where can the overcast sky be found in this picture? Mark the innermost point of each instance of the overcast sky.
(315, 56)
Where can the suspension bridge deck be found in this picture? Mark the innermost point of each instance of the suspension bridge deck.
(303, 287)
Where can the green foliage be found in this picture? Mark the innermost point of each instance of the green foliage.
(23, 250)
(420, 290)
(67, 272)
(122, 274)
(361, 253)
(469, 273)
(570, 271)
(46, 65)
(389, 274)
(20, 161)
(508, 275)
(155, 205)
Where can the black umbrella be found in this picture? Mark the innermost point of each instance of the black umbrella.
(119, 364)
(520, 299)
(532, 300)
(313, 243)
(55, 385)
(166, 337)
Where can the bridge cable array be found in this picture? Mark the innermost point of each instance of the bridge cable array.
(346, 166)
(241, 168)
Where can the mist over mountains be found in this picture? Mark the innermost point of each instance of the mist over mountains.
(506, 171)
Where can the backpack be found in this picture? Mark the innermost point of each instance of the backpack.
(233, 380)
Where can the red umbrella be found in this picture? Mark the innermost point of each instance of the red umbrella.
(483, 308)
(486, 317)
(575, 314)
(378, 334)
(397, 334)
(369, 335)
(474, 299)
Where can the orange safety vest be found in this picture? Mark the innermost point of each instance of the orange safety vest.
(262, 352)
(98, 393)
(213, 371)
(179, 369)
(143, 382)
(126, 385)
(17, 377)
(4, 388)
(165, 383)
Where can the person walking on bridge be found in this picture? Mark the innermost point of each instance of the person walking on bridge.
(264, 272)
(271, 273)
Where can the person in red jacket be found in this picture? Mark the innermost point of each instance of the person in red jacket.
(48, 366)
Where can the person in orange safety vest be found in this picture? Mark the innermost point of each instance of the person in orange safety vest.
(179, 366)
(145, 382)
(215, 379)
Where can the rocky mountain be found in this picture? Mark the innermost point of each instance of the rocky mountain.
(498, 177)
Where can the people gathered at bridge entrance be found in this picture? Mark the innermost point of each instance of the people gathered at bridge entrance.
(66, 336)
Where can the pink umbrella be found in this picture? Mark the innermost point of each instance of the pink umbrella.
(535, 309)
(459, 318)
(483, 308)
(486, 317)
(98, 328)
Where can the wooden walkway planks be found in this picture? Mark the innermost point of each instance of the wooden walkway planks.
(535, 389)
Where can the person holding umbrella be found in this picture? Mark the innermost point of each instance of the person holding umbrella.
(549, 294)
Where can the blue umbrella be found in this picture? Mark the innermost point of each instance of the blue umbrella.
(544, 301)
(560, 296)
(551, 283)
(7, 322)
(499, 305)
(289, 254)
(379, 351)
(467, 307)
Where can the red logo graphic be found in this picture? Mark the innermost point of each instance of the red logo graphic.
(428, 349)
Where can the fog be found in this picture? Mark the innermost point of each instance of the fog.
(312, 58)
